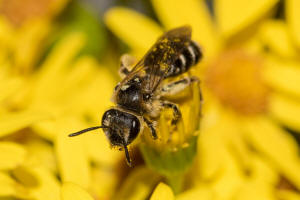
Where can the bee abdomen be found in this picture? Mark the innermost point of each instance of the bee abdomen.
(189, 56)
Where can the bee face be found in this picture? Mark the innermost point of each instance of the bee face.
(122, 127)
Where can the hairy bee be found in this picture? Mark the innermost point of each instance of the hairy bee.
(139, 97)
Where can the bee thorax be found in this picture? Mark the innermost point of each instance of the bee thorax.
(130, 97)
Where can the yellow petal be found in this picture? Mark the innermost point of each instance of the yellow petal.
(285, 110)
(211, 146)
(99, 149)
(283, 75)
(210, 150)
(276, 144)
(12, 122)
(71, 191)
(29, 40)
(94, 99)
(72, 80)
(72, 158)
(6, 32)
(48, 188)
(254, 45)
(229, 180)
(11, 188)
(46, 129)
(199, 192)
(262, 131)
(10, 86)
(288, 195)
(260, 183)
(7, 185)
(24, 174)
(233, 139)
(219, 130)
(174, 13)
(43, 152)
(255, 190)
(70, 96)
(138, 185)
(59, 58)
(11, 155)
(104, 189)
(3, 55)
(162, 191)
(262, 170)
(138, 31)
(235, 15)
(293, 15)
(275, 35)
(58, 6)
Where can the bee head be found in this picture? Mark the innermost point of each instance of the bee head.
(120, 128)
(123, 127)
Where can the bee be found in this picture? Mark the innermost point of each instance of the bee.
(140, 96)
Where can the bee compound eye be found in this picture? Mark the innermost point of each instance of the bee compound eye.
(134, 127)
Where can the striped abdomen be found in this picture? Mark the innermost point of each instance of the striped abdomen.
(189, 56)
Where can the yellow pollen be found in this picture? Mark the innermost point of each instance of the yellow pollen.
(235, 78)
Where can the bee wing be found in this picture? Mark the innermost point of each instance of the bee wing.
(157, 61)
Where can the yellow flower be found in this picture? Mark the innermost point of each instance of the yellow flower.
(25, 26)
(19, 13)
(40, 105)
(162, 191)
(64, 96)
(251, 88)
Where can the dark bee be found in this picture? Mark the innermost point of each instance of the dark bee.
(139, 97)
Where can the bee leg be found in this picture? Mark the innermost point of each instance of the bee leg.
(176, 111)
(176, 87)
(127, 62)
(151, 127)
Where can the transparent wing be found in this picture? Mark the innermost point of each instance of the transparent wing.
(157, 61)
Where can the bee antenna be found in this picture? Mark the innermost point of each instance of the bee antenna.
(127, 156)
(86, 130)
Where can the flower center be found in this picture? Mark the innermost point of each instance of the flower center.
(235, 78)
(19, 11)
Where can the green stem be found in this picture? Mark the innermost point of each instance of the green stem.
(176, 182)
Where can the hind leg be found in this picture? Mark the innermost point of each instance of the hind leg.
(176, 111)
(178, 86)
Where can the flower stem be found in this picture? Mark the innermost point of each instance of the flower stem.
(176, 182)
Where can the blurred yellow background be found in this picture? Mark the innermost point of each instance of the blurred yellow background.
(58, 69)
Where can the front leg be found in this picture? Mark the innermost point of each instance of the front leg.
(127, 61)
(151, 127)
(176, 111)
